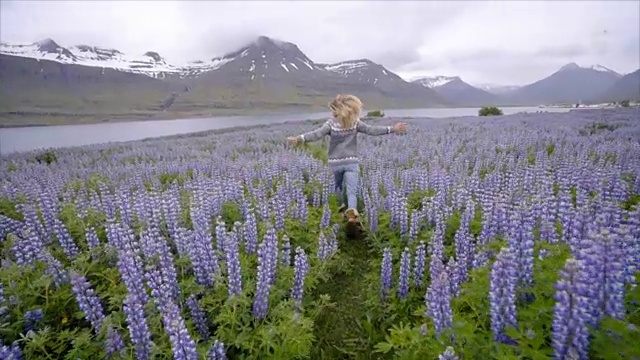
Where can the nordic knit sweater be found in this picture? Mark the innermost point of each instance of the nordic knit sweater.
(343, 144)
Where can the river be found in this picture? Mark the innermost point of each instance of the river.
(19, 139)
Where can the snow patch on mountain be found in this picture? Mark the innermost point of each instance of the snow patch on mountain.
(597, 67)
(434, 81)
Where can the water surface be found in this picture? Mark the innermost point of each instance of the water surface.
(41, 137)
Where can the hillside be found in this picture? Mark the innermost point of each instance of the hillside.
(570, 84)
(626, 88)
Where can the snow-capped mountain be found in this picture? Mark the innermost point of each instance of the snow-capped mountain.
(456, 91)
(363, 70)
(149, 63)
(433, 81)
(597, 67)
(264, 72)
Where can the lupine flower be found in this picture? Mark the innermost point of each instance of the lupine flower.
(322, 253)
(65, 240)
(182, 345)
(131, 273)
(234, 272)
(199, 318)
(261, 297)
(10, 352)
(419, 264)
(88, 301)
(301, 269)
(217, 351)
(386, 273)
(502, 294)
(285, 253)
(31, 319)
(250, 233)
(405, 269)
(448, 354)
(438, 301)
(92, 238)
(114, 344)
(326, 217)
(570, 334)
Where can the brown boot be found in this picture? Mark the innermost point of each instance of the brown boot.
(354, 226)
(352, 215)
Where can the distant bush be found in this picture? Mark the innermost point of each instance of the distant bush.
(624, 103)
(489, 111)
(375, 113)
(46, 157)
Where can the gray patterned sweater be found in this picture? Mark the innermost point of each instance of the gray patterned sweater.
(343, 144)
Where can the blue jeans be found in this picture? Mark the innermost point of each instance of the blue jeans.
(347, 174)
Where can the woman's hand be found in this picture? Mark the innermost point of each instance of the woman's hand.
(399, 128)
(292, 140)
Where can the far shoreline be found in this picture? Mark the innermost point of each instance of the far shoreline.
(94, 119)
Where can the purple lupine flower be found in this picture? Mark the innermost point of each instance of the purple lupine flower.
(92, 238)
(250, 233)
(27, 248)
(386, 273)
(182, 345)
(65, 240)
(261, 297)
(130, 268)
(438, 299)
(217, 351)
(285, 253)
(419, 264)
(221, 235)
(570, 330)
(234, 272)
(405, 269)
(10, 352)
(414, 227)
(301, 269)
(55, 269)
(326, 217)
(332, 243)
(113, 343)
(448, 354)
(198, 245)
(502, 297)
(199, 318)
(160, 261)
(88, 301)
(322, 252)
(455, 279)
(31, 319)
(271, 240)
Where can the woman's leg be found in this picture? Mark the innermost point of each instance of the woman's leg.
(338, 176)
(351, 175)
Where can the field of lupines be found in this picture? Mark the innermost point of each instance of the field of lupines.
(514, 237)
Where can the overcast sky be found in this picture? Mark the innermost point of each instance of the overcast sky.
(502, 42)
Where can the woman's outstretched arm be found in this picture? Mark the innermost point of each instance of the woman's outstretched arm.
(381, 130)
(313, 135)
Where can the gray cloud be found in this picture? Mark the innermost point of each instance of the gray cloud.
(496, 42)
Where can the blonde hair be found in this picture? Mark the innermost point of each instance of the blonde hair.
(346, 109)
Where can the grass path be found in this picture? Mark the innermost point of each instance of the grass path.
(338, 332)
